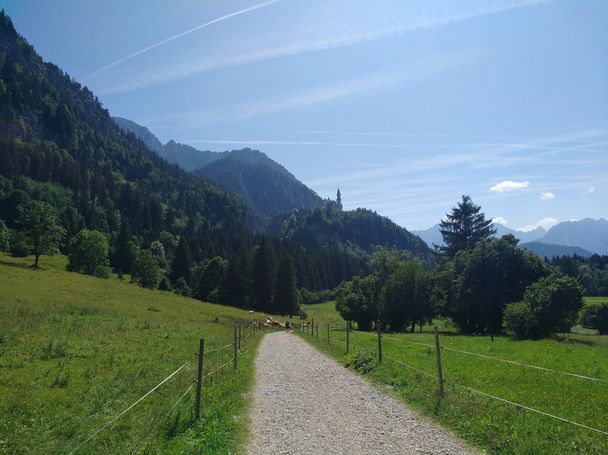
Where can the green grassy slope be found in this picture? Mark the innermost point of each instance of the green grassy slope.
(493, 425)
(76, 350)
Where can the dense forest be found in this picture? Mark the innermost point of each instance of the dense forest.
(68, 172)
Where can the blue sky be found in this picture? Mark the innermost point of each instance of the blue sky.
(404, 105)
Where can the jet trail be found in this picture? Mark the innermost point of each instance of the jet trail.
(178, 36)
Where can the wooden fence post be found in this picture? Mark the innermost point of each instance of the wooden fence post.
(439, 371)
(312, 327)
(235, 345)
(317, 328)
(239, 337)
(199, 378)
(379, 341)
(328, 333)
(347, 336)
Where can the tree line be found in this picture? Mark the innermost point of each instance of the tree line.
(484, 285)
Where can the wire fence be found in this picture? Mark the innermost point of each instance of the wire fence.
(345, 340)
(188, 366)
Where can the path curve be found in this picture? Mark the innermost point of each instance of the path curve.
(306, 403)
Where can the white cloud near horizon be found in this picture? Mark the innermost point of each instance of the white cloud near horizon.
(546, 195)
(509, 185)
(499, 220)
(545, 223)
(589, 191)
(318, 37)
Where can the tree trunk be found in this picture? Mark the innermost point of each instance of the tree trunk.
(37, 255)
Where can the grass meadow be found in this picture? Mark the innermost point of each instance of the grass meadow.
(75, 351)
(409, 371)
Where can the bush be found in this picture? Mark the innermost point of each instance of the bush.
(595, 316)
(519, 320)
(88, 254)
(550, 305)
(4, 237)
(146, 270)
(362, 361)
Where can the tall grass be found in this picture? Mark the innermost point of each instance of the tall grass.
(75, 351)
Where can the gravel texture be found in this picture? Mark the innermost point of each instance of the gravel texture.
(306, 403)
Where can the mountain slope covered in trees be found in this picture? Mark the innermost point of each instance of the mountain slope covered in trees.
(58, 144)
(263, 184)
(365, 229)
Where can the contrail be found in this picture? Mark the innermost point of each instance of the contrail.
(178, 36)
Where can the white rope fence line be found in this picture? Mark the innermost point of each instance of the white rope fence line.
(217, 369)
(147, 437)
(392, 359)
(527, 408)
(498, 359)
(104, 427)
(208, 351)
(504, 400)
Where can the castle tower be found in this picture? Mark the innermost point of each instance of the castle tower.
(339, 200)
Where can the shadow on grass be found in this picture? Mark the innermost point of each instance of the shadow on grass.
(20, 265)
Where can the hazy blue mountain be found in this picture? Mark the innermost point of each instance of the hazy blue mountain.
(432, 236)
(263, 184)
(528, 236)
(589, 234)
(189, 158)
(550, 250)
(141, 132)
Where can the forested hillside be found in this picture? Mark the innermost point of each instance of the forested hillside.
(264, 185)
(363, 228)
(59, 145)
(72, 180)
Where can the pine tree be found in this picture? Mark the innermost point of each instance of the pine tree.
(464, 227)
(286, 297)
(263, 276)
(235, 281)
(182, 261)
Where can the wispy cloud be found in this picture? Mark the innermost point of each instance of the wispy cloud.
(508, 185)
(371, 83)
(331, 35)
(176, 37)
(590, 190)
(545, 223)
(546, 195)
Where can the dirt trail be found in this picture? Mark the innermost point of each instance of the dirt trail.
(306, 403)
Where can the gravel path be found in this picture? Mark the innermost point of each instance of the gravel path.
(306, 403)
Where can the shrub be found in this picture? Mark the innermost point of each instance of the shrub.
(595, 316)
(362, 361)
(519, 320)
(4, 237)
(146, 270)
(550, 305)
(88, 254)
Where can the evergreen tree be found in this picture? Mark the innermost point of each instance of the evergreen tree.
(464, 227)
(263, 276)
(286, 296)
(182, 261)
(235, 281)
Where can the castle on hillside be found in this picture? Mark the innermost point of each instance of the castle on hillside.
(336, 205)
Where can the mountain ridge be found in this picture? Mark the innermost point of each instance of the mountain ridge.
(588, 234)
